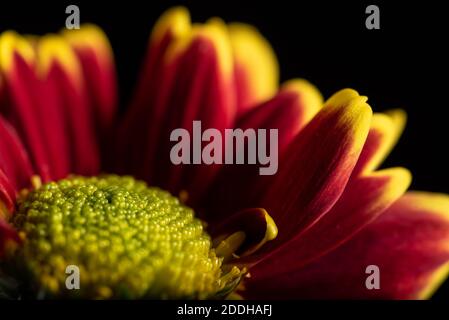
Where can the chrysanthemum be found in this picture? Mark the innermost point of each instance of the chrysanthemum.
(72, 172)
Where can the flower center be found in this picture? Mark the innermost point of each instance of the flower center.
(128, 241)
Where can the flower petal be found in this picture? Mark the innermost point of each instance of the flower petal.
(256, 67)
(384, 133)
(96, 58)
(316, 167)
(143, 121)
(17, 58)
(60, 67)
(366, 196)
(288, 112)
(7, 196)
(256, 224)
(364, 199)
(46, 101)
(201, 88)
(408, 243)
(14, 159)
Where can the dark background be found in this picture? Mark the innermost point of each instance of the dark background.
(404, 64)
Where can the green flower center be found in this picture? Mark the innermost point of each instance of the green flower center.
(128, 241)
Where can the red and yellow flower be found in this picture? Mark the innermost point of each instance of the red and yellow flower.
(309, 231)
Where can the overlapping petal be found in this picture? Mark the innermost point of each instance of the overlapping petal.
(364, 199)
(17, 59)
(336, 215)
(408, 243)
(45, 98)
(188, 76)
(289, 111)
(204, 91)
(61, 68)
(317, 165)
(366, 196)
(386, 128)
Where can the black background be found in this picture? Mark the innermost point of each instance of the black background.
(404, 64)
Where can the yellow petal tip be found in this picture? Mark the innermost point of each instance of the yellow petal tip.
(254, 54)
(309, 94)
(175, 20)
(55, 49)
(12, 43)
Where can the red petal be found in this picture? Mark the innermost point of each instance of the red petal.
(385, 131)
(47, 103)
(199, 87)
(288, 112)
(7, 196)
(62, 71)
(13, 157)
(364, 199)
(408, 243)
(96, 58)
(17, 58)
(141, 127)
(315, 169)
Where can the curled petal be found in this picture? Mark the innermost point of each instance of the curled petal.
(256, 225)
(408, 244)
(256, 67)
(317, 165)
(364, 199)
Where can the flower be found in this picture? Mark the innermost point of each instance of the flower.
(309, 231)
